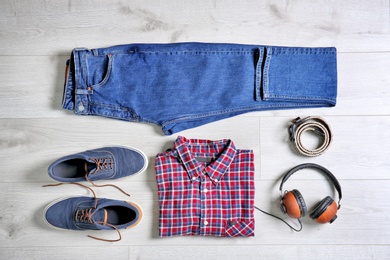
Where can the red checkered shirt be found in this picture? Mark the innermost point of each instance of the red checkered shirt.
(206, 188)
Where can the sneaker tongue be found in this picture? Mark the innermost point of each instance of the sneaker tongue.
(91, 167)
(100, 216)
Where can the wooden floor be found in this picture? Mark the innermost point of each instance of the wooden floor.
(36, 38)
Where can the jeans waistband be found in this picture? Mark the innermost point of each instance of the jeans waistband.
(75, 87)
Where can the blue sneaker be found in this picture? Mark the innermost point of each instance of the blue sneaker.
(88, 213)
(106, 163)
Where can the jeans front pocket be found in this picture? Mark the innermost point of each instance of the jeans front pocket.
(98, 70)
(240, 228)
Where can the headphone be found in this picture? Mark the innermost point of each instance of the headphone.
(293, 204)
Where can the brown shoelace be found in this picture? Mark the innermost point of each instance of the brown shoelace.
(102, 163)
(75, 183)
(85, 215)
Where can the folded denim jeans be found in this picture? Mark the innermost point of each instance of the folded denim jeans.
(184, 85)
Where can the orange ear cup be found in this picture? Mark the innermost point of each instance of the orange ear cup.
(294, 207)
(325, 212)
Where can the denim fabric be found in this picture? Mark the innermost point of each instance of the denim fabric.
(183, 85)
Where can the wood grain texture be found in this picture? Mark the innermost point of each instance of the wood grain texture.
(36, 38)
(38, 28)
(22, 222)
(200, 252)
(359, 150)
(263, 252)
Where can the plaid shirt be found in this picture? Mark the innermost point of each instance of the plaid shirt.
(206, 188)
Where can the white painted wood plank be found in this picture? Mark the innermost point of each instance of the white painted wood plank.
(261, 252)
(360, 148)
(36, 39)
(32, 86)
(362, 219)
(30, 145)
(65, 252)
(37, 28)
(353, 252)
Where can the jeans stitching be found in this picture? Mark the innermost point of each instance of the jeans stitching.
(252, 108)
(297, 51)
(195, 52)
(80, 79)
(301, 97)
(129, 110)
(108, 73)
(259, 73)
(265, 74)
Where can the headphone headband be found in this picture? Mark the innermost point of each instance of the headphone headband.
(333, 179)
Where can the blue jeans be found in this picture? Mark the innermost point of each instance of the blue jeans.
(183, 85)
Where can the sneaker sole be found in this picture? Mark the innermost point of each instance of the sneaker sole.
(141, 213)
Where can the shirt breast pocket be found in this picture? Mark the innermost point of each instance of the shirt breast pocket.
(239, 228)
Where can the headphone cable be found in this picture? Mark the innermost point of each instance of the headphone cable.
(269, 214)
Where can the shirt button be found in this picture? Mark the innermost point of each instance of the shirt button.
(193, 178)
(205, 222)
(205, 190)
(215, 180)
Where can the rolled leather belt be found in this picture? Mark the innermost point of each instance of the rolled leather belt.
(314, 124)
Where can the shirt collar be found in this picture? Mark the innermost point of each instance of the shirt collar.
(223, 150)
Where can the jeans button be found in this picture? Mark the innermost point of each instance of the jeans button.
(81, 107)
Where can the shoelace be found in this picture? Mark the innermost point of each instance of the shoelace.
(314, 124)
(75, 183)
(86, 214)
(100, 164)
